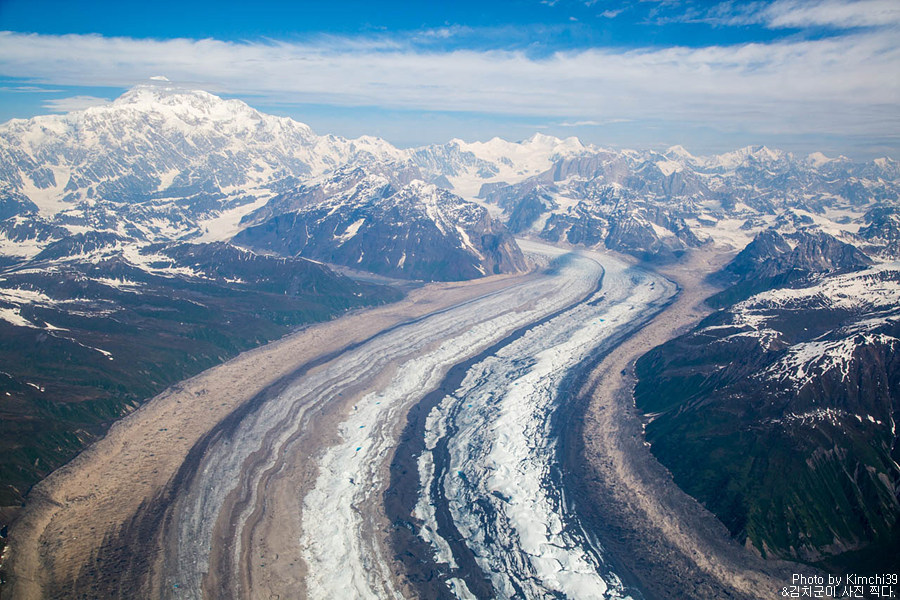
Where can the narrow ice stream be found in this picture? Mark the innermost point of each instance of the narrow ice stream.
(500, 451)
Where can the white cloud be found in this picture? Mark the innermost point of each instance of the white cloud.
(74, 103)
(832, 13)
(801, 14)
(27, 89)
(839, 85)
(591, 123)
(588, 123)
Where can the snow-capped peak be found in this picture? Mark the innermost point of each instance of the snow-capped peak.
(761, 154)
(540, 139)
(197, 108)
(678, 151)
(186, 140)
(817, 159)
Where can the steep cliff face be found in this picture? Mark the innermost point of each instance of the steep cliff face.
(772, 254)
(881, 232)
(779, 412)
(380, 224)
(773, 260)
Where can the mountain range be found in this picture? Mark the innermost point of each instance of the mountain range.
(147, 239)
(162, 163)
(778, 411)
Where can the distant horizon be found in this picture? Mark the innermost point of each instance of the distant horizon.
(799, 75)
(659, 149)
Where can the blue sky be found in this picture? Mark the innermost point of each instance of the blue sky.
(802, 75)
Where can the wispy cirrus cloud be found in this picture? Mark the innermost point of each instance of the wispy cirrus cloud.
(587, 123)
(833, 13)
(837, 85)
(591, 123)
(798, 14)
(27, 89)
(74, 103)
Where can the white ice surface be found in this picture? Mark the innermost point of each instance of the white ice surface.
(342, 561)
(502, 453)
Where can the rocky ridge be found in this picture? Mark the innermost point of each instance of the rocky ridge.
(778, 412)
(385, 224)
